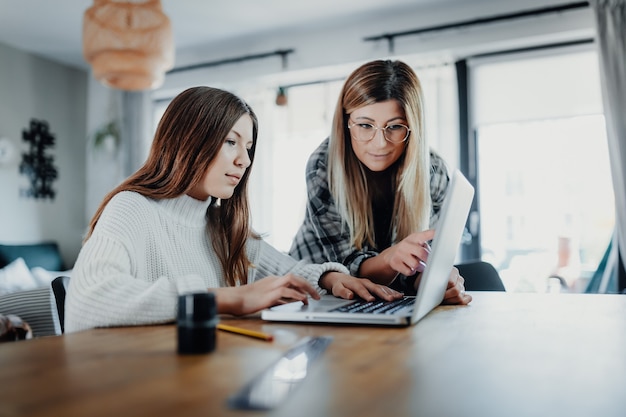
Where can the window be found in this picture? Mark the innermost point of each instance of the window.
(544, 182)
(297, 129)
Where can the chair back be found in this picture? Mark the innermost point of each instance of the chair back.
(59, 287)
(480, 276)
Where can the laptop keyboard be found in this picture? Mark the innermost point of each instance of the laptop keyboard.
(376, 306)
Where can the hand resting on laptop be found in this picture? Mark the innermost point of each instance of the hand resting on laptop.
(455, 293)
(346, 286)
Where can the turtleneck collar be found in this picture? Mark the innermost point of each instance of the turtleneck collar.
(187, 210)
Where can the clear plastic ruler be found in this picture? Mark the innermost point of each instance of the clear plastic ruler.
(274, 384)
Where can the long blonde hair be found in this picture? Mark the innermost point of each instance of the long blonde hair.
(374, 82)
(189, 136)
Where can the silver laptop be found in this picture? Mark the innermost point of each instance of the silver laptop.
(410, 309)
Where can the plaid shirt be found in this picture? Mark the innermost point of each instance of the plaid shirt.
(323, 236)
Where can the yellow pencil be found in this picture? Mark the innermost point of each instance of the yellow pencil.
(245, 332)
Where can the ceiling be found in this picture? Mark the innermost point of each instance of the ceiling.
(53, 29)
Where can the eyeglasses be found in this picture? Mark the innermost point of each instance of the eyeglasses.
(364, 132)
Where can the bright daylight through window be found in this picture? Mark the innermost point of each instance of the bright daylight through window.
(546, 196)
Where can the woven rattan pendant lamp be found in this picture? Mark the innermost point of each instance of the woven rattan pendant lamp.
(128, 43)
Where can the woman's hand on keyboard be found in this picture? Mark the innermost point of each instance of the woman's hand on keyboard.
(347, 286)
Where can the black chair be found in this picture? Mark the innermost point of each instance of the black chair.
(480, 276)
(59, 287)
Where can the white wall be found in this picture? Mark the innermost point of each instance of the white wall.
(36, 88)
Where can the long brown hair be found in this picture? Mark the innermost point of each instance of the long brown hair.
(188, 137)
(374, 82)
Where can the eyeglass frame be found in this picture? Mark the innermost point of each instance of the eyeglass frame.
(384, 129)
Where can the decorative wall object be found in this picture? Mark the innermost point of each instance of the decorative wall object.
(36, 165)
(129, 44)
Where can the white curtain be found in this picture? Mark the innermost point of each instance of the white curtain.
(610, 19)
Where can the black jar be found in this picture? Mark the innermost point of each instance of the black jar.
(197, 318)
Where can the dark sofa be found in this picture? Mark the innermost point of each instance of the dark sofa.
(45, 255)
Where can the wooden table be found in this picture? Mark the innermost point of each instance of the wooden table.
(506, 354)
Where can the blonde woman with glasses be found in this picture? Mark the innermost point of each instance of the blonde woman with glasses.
(374, 186)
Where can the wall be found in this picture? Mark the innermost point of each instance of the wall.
(32, 87)
(109, 165)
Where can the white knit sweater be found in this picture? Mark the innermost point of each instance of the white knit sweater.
(143, 253)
